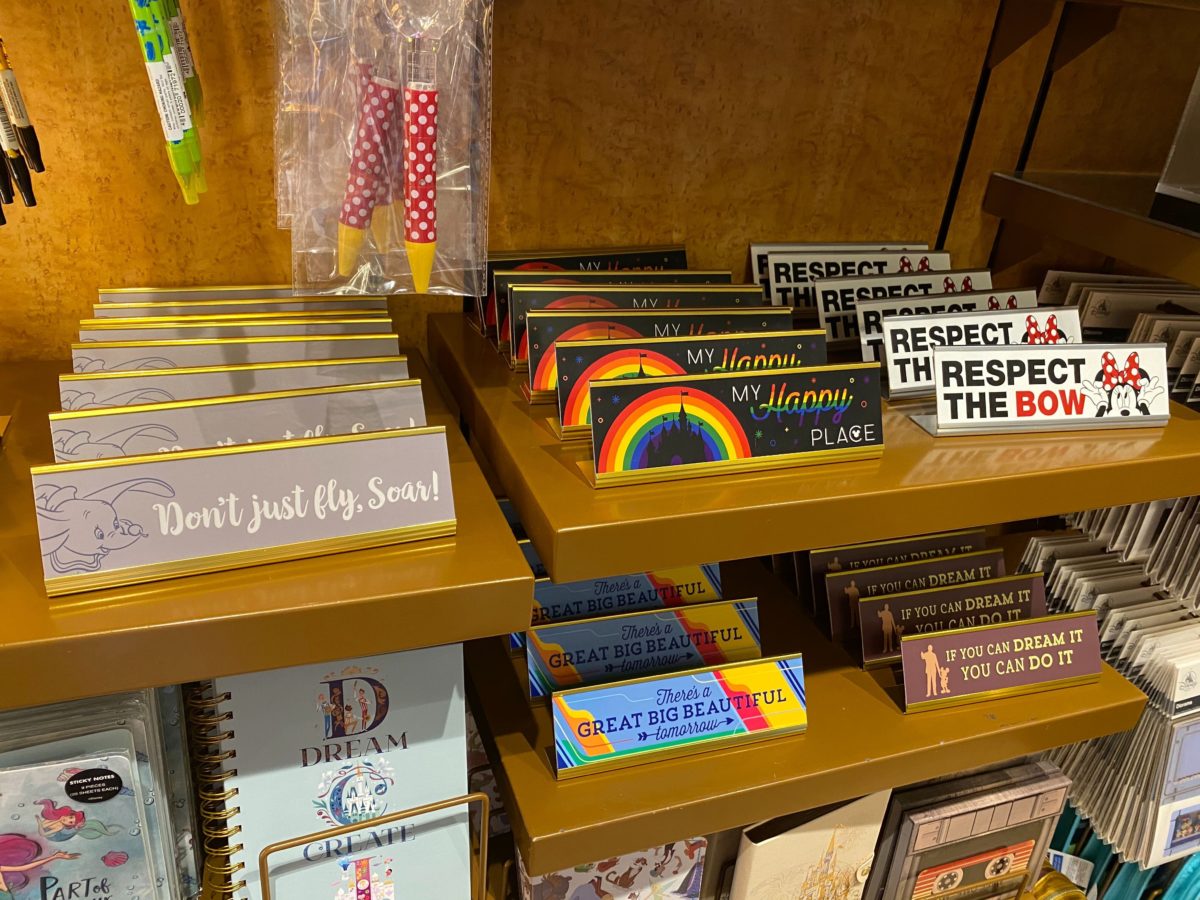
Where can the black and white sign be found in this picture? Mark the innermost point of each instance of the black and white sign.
(871, 313)
(790, 273)
(1048, 388)
(759, 252)
(909, 341)
(837, 298)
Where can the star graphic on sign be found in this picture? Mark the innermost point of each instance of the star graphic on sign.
(616, 399)
(578, 360)
(758, 434)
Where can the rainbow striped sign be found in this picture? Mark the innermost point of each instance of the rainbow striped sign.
(581, 362)
(547, 326)
(599, 651)
(654, 429)
(650, 291)
(623, 724)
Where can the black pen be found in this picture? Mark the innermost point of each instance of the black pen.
(14, 103)
(14, 164)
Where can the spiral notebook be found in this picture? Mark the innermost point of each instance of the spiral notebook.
(313, 748)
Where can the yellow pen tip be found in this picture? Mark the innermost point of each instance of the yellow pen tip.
(420, 261)
(350, 241)
(381, 222)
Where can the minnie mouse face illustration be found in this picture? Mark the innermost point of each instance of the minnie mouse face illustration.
(1123, 391)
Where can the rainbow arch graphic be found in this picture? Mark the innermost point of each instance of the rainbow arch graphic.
(543, 378)
(575, 301)
(623, 363)
(628, 440)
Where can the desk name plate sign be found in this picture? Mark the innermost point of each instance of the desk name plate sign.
(838, 298)
(581, 362)
(610, 648)
(113, 356)
(520, 304)
(109, 522)
(845, 588)
(871, 313)
(547, 326)
(886, 619)
(985, 390)
(968, 665)
(663, 716)
(760, 252)
(790, 273)
(664, 429)
(909, 341)
(203, 328)
(349, 305)
(239, 419)
(106, 390)
(211, 292)
(651, 297)
(493, 309)
(659, 589)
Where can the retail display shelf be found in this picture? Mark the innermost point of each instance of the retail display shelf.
(920, 484)
(400, 597)
(858, 741)
(1104, 212)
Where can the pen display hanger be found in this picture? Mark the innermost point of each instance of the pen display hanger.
(383, 143)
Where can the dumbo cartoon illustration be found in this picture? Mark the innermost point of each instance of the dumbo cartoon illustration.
(88, 399)
(79, 444)
(77, 533)
(84, 364)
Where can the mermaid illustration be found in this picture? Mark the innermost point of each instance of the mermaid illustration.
(18, 856)
(61, 823)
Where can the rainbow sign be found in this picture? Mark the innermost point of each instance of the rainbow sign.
(626, 723)
(546, 327)
(598, 651)
(683, 426)
(650, 421)
(623, 363)
(543, 377)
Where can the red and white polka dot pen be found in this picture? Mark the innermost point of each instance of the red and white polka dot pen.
(367, 183)
(420, 161)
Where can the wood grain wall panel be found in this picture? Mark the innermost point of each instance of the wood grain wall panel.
(713, 122)
(1116, 107)
(109, 212)
(720, 122)
(1011, 91)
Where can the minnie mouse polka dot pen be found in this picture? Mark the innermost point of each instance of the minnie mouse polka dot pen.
(420, 161)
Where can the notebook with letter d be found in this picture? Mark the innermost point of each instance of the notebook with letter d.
(320, 746)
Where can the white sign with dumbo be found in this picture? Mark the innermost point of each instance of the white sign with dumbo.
(123, 521)
(246, 419)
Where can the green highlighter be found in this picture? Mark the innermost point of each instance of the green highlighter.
(170, 96)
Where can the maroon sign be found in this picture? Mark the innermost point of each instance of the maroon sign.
(886, 619)
(844, 589)
(884, 553)
(973, 664)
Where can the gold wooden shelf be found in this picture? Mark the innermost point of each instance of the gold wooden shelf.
(857, 741)
(920, 484)
(1104, 212)
(439, 591)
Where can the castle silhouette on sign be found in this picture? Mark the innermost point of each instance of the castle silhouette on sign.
(677, 440)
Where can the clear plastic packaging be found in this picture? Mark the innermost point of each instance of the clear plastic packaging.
(383, 143)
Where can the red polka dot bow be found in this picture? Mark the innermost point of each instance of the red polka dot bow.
(1130, 375)
(1050, 335)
